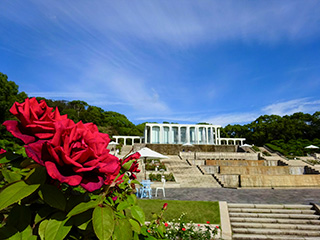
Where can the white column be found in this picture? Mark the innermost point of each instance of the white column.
(151, 133)
(207, 135)
(145, 134)
(161, 134)
(218, 136)
(179, 134)
(197, 134)
(188, 134)
(212, 136)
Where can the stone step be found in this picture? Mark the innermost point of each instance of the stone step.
(276, 226)
(265, 210)
(275, 220)
(273, 215)
(272, 231)
(269, 206)
(269, 237)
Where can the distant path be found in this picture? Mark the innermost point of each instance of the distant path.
(267, 196)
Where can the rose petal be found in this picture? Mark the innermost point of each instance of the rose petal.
(14, 128)
(92, 183)
(53, 171)
(34, 151)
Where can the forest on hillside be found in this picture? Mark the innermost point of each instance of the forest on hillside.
(288, 134)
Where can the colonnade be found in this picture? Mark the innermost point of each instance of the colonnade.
(162, 133)
(133, 138)
(232, 141)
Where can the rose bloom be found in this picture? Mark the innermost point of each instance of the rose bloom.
(77, 155)
(166, 224)
(208, 222)
(2, 151)
(36, 120)
(134, 167)
(183, 229)
(165, 206)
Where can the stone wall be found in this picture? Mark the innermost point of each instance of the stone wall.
(259, 170)
(219, 155)
(235, 162)
(174, 149)
(250, 181)
(229, 180)
(227, 156)
(210, 169)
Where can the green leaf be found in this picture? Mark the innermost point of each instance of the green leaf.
(135, 226)
(15, 192)
(128, 164)
(135, 236)
(103, 222)
(56, 227)
(53, 196)
(122, 206)
(42, 228)
(38, 175)
(122, 230)
(23, 235)
(4, 160)
(132, 199)
(138, 214)
(7, 231)
(74, 200)
(11, 176)
(82, 207)
(19, 217)
(42, 213)
(82, 220)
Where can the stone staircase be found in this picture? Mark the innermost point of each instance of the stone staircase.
(189, 176)
(263, 221)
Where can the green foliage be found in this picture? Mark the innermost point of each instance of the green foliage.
(157, 177)
(34, 206)
(255, 148)
(293, 147)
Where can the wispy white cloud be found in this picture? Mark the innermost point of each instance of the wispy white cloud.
(305, 105)
(292, 106)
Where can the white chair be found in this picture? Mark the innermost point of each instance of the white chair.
(163, 180)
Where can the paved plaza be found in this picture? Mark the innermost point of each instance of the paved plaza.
(256, 196)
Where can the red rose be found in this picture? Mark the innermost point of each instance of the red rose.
(134, 167)
(77, 154)
(165, 206)
(166, 224)
(183, 229)
(2, 151)
(36, 120)
(208, 222)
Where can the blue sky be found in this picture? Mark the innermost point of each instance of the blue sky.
(222, 62)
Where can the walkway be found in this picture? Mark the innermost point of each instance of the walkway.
(256, 196)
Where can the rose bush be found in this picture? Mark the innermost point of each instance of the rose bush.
(66, 184)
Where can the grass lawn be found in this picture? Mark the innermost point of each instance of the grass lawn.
(196, 211)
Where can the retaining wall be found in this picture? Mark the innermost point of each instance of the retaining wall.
(174, 149)
(235, 162)
(280, 181)
(264, 170)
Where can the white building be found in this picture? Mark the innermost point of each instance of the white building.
(166, 133)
